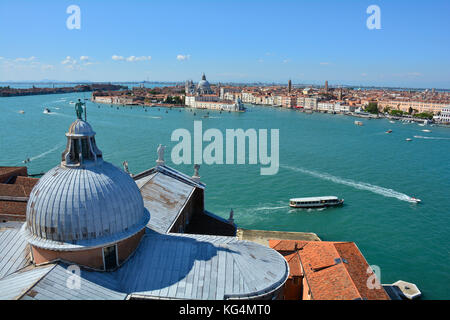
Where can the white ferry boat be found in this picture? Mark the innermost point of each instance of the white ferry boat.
(315, 202)
(358, 123)
(47, 111)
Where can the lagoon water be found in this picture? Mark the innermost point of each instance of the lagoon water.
(320, 154)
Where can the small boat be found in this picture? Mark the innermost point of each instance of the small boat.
(26, 160)
(426, 130)
(389, 131)
(47, 111)
(21, 111)
(415, 200)
(71, 102)
(408, 139)
(422, 124)
(315, 202)
(358, 123)
(392, 121)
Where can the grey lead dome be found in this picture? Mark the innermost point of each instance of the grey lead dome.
(86, 204)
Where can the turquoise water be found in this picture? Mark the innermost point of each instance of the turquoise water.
(320, 154)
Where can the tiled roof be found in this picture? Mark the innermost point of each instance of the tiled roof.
(333, 270)
(165, 192)
(14, 251)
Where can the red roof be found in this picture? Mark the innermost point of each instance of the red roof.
(333, 270)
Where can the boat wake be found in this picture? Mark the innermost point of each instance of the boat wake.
(431, 138)
(46, 152)
(269, 208)
(354, 184)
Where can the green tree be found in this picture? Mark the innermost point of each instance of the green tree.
(372, 108)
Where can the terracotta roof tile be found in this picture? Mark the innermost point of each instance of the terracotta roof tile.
(12, 190)
(333, 270)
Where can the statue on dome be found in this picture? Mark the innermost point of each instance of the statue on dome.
(79, 109)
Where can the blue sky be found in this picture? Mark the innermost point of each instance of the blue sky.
(306, 41)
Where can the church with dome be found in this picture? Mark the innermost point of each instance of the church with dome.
(203, 96)
(113, 235)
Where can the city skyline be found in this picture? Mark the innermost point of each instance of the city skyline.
(229, 41)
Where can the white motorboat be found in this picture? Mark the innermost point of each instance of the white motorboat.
(358, 123)
(408, 139)
(415, 200)
(426, 130)
(315, 202)
(47, 111)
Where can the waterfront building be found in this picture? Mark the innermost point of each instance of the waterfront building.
(326, 86)
(205, 98)
(310, 103)
(289, 86)
(324, 270)
(444, 116)
(326, 106)
(126, 236)
(288, 101)
(407, 105)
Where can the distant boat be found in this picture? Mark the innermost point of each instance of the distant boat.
(415, 200)
(422, 124)
(26, 160)
(359, 123)
(315, 202)
(71, 102)
(392, 121)
(408, 139)
(389, 131)
(47, 111)
(426, 130)
(21, 111)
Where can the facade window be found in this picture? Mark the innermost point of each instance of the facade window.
(110, 257)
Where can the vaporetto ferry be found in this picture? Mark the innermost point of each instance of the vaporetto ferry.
(315, 202)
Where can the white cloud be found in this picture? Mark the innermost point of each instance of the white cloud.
(69, 61)
(182, 57)
(117, 58)
(286, 60)
(84, 58)
(25, 59)
(143, 58)
(131, 58)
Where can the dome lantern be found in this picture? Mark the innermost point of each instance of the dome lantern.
(81, 149)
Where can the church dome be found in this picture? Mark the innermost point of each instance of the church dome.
(80, 128)
(83, 202)
(203, 86)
